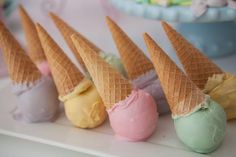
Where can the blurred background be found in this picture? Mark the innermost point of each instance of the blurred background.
(87, 17)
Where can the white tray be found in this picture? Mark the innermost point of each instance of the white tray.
(100, 141)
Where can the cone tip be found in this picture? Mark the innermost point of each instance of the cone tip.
(21, 8)
(108, 19)
(165, 25)
(1, 24)
(38, 26)
(4, 29)
(52, 15)
(40, 30)
(146, 36)
(110, 22)
(22, 12)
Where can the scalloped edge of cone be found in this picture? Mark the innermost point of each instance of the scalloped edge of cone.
(60, 73)
(23, 71)
(197, 65)
(186, 102)
(34, 46)
(124, 44)
(93, 63)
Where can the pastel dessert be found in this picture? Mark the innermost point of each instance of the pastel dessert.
(35, 49)
(67, 31)
(199, 7)
(200, 122)
(83, 105)
(132, 112)
(36, 93)
(139, 68)
(210, 78)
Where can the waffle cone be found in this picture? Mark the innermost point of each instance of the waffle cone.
(134, 60)
(197, 66)
(182, 94)
(65, 74)
(66, 32)
(35, 49)
(20, 68)
(111, 86)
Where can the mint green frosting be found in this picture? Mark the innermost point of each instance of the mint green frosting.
(204, 130)
(114, 61)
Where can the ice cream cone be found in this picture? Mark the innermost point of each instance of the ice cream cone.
(182, 94)
(197, 66)
(110, 84)
(64, 72)
(20, 67)
(66, 32)
(35, 49)
(134, 60)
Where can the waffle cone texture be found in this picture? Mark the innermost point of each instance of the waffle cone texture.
(111, 86)
(35, 49)
(65, 74)
(182, 94)
(20, 68)
(66, 31)
(134, 60)
(197, 66)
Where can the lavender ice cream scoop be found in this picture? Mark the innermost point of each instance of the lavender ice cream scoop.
(38, 102)
(151, 84)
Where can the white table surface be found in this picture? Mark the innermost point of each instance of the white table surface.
(100, 141)
(88, 18)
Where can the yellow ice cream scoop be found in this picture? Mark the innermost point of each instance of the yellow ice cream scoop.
(222, 89)
(84, 107)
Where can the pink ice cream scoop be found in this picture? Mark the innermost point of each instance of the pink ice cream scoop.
(137, 113)
(151, 84)
(44, 68)
(132, 112)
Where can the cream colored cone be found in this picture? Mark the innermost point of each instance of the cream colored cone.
(35, 49)
(182, 94)
(64, 72)
(110, 84)
(20, 68)
(66, 32)
(197, 66)
(134, 60)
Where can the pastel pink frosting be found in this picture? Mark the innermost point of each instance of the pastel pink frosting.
(151, 84)
(44, 68)
(135, 118)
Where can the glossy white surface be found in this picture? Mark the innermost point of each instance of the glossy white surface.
(100, 141)
(17, 147)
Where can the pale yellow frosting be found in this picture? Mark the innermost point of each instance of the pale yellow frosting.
(83, 106)
(222, 89)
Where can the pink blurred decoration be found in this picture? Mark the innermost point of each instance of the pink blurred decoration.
(109, 10)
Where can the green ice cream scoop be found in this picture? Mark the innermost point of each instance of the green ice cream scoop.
(204, 130)
(114, 61)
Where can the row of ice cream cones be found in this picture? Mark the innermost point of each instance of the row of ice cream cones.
(131, 108)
